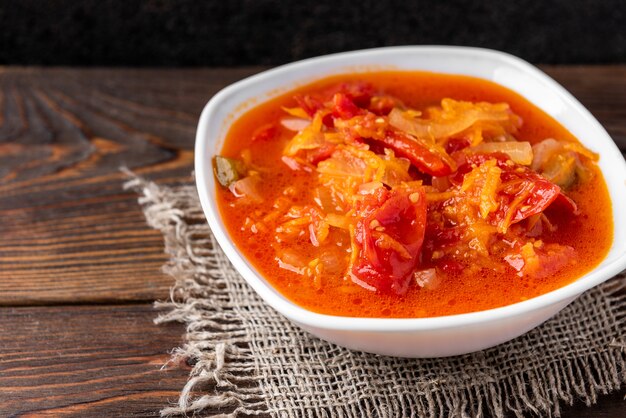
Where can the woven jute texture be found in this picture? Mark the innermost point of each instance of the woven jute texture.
(249, 360)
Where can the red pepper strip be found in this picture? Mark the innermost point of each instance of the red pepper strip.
(421, 157)
(344, 107)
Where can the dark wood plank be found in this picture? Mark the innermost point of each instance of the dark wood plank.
(86, 361)
(608, 406)
(69, 232)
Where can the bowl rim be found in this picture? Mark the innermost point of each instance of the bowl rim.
(386, 325)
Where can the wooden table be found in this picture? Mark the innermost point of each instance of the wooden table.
(79, 267)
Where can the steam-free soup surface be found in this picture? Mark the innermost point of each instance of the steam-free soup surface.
(407, 194)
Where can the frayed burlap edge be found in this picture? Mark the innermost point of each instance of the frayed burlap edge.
(236, 389)
(224, 361)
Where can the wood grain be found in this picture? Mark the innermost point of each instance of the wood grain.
(602, 89)
(86, 361)
(95, 361)
(69, 233)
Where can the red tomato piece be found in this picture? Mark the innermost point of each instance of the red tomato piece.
(382, 105)
(310, 104)
(359, 92)
(536, 192)
(450, 266)
(389, 239)
(316, 155)
(465, 162)
(541, 194)
(567, 203)
(438, 237)
(456, 144)
(540, 262)
(265, 132)
(344, 107)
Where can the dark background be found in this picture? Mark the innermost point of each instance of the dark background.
(251, 32)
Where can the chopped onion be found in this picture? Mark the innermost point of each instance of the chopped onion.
(559, 162)
(324, 199)
(455, 117)
(343, 163)
(338, 221)
(247, 186)
(295, 124)
(516, 261)
(428, 279)
(311, 137)
(519, 152)
(297, 112)
(543, 152)
(369, 188)
(333, 262)
(295, 164)
(292, 261)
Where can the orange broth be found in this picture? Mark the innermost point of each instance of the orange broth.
(590, 233)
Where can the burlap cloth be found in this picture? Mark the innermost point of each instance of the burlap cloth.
(247, 359)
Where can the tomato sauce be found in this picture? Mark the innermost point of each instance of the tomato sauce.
(589, 232)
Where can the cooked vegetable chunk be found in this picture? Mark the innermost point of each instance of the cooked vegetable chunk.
(227, 170)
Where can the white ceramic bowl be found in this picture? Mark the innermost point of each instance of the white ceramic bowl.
(426, 337)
